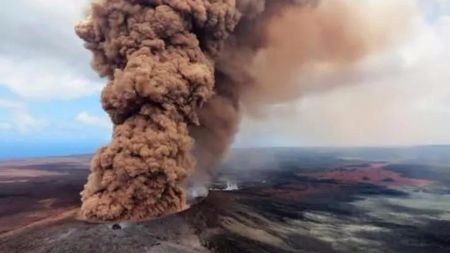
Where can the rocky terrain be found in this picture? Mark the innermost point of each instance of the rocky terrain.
(263, 200)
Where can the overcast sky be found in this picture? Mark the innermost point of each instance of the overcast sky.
(49, 96)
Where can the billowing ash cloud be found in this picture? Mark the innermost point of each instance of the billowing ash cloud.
(180, 70)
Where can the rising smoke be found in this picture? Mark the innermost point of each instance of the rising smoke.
(179, 73)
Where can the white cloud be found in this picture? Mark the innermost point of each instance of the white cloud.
(404, 96)
(20, 119)
(434, 8)
(91, 120)
(9, 104)
(5, 126)
(41, 57)
(31, 79)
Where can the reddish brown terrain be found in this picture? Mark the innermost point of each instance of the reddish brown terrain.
(281, 201)
(35, 191)
(374, 173)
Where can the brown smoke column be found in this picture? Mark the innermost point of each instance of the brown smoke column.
(179, 71)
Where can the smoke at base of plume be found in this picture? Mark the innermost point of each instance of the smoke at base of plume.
(179, 71)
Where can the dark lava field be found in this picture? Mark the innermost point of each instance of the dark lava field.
(276, 200)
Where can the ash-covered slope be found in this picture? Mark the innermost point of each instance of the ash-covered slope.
(291, 200)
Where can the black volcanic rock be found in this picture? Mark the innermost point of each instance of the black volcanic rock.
(277, 210)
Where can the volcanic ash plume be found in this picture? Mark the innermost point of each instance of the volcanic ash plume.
(159, 78)
(178, 71)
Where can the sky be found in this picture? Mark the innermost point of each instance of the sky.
(49, 96)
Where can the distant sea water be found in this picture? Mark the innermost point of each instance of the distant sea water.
(24, 150)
